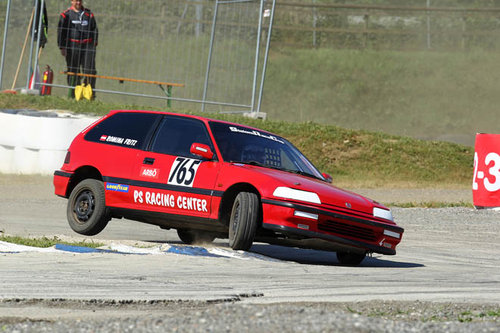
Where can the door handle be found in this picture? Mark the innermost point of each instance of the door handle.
(148, 160)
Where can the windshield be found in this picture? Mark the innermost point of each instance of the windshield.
(240, 144)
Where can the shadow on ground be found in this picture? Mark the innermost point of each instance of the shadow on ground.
(324, 258)
(308, 256)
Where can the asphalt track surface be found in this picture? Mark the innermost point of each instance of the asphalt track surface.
(446, 255)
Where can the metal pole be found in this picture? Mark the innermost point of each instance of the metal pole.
(205, 87)
(428, 26)
(315, 22)
(157, 97)
(257, 52)
(40, 18)
(30, 60)
(198, 29)
(4, 46)
(271, 21)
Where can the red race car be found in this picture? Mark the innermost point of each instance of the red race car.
(213, 179)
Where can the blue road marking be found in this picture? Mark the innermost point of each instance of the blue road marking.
(184, 250)
(197, 251)
(83, 249)
(191, 251)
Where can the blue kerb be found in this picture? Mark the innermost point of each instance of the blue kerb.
(185, 250)
(191, 251)
(83, 249)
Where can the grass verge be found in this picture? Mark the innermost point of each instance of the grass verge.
(45, 242)
(430, 204)
(356, 157)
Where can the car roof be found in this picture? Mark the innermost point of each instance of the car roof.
(204, 119)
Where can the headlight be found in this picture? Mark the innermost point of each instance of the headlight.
(383, 213)
(291, 193)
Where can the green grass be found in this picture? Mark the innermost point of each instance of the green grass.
(431, 204)
(353, 157)
(446, 96)
(436, 95)
(432, 313)
(45, 242)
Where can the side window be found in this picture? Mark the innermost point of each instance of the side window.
(128, 129)
(176, 135)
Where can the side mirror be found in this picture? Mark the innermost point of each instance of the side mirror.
(201, 150)
(328, 177)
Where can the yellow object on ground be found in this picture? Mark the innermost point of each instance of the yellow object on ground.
(87, 92)
(78, 92)
(83, 91)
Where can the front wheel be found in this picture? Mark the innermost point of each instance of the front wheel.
(350, 258)
(86, 209)
(243, 222)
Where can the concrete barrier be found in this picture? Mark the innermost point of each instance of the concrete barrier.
(35, 142)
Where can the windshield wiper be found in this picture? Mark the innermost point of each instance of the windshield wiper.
(302, 173)
(251, 163)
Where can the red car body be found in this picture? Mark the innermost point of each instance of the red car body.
(213, 187)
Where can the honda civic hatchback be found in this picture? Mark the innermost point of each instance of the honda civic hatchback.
(214, 179)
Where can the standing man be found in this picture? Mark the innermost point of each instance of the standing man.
(77, 37)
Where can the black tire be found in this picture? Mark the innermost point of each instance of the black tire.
(350, 258)
(86, 209)
(195, 236)
(243, 222)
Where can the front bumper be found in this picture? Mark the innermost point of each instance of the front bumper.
(305, 222)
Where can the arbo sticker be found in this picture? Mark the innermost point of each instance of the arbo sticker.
(150, 172)
(183, 171)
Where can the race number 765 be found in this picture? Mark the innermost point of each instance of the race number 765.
(183, 171)
(491, 181)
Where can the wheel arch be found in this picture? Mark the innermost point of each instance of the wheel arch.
(82, 173)
(228, 199)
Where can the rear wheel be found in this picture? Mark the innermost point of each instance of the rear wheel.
(243, 222)
(86, 210)
(195, 236)
(350, 258)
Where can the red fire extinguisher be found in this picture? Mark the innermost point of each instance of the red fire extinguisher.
(48, 77)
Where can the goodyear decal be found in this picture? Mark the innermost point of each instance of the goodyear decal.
(117, 187)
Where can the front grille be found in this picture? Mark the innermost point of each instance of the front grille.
(345, 229)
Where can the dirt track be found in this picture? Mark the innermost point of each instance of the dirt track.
(448, 257)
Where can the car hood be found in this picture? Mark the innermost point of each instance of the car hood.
(329, 195)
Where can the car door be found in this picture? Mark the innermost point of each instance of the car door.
(113, 145)
(172, 180)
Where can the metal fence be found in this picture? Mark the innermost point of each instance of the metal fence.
(390, 25)
(217, 49)
(212, 52)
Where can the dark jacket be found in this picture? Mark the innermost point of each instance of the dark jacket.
(77, 28)
(45, 23)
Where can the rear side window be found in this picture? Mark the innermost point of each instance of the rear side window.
(124, 129)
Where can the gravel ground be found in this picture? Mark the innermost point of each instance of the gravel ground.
(244, 313)
(374, 316)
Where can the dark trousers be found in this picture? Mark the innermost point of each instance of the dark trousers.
(81, 59)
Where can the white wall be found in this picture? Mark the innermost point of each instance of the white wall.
(37, 144)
